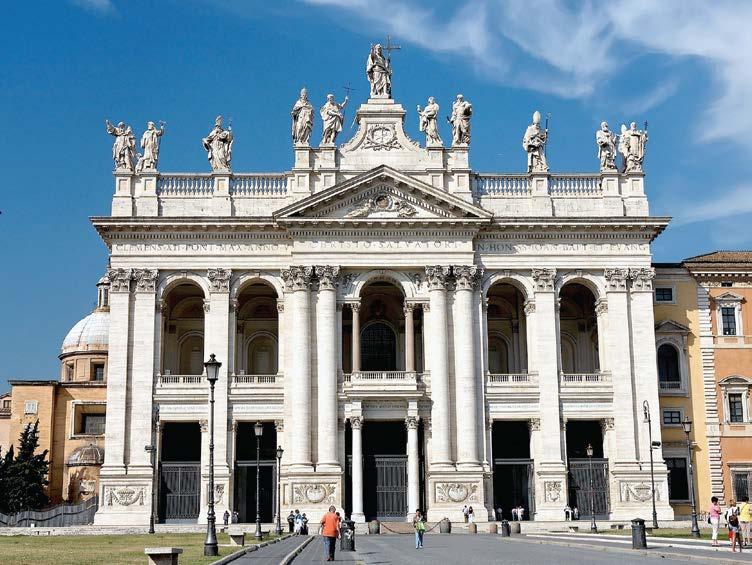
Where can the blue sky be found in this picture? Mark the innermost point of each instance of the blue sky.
(69, 64)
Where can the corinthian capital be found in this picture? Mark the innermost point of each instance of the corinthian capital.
(328, 277)
(437, 277)
(297, 278)
(616, 279)
(467, 276)
(219, 279)
(642, 279)
(120, 280)
(146, 280)
(544, 279)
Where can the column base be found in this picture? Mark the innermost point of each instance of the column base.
(358, 518)
(328, 468)
(125, 500)
(448, 491)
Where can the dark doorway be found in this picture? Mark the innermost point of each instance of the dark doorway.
(385, 471)
(180, 472)
(378, 348)
(245, 471)
(588, 479)
(513, 468)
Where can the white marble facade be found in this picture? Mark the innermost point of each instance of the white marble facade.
(439, 238)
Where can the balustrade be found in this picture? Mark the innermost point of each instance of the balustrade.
(168, 379)
(255, 379)
(580, 378)
(502, 378)
(575, 185)
(501, 185)
(185, 184)
(258, 184)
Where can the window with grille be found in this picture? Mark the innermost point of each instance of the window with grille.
(678, 478)
(671, 417)
(728, 319)
(668, 367)
(31, 407)
(664, 294)
(736, 409)
(741, 481)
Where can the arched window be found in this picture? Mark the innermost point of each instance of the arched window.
(378, 348)
(192, 355)
(262, 356)
(498, 356)
(669, 376)
(568, 355)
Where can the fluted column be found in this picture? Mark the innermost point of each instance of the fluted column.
(409, 338)
(297, 281)
(355, 346)
(413, 467)
(438, 359)
(326, 346)
(357, 470)
(465, 374)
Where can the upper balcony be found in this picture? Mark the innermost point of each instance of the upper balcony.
(586, 385)
(383, 383)
(512, 385)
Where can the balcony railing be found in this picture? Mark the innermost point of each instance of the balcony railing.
(670, 385)
(256, 379)
(499, 185)
(584, 378)
(185, 184)
(575, 185)
(382, 376)
(512, 378)
(258, 184)
(169, 379)
(502, 185)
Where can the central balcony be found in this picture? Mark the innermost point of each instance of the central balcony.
(512, 385)
(383, 383)
(586, 385)
(182, 386)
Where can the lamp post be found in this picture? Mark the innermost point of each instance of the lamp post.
(687, 425)
(152, 451)
(258, 429)
(646, 410)
(212, 375)
(280, 451)
(593, 527)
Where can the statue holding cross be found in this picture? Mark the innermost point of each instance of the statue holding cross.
(379, 69)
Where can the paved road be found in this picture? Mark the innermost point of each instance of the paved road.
(314, 553)
(271, 554)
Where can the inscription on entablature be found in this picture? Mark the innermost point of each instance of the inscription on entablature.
(501, 248)
(384, 244)
(193, 248)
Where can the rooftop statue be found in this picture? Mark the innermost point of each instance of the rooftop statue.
(605, 139)
(302, 119)
(429, 123)
(332, 116)
(150, 144)
(218, 145)
(124, 148)
(379, 73)
(460, 120)
(632, 147)
(534, 143)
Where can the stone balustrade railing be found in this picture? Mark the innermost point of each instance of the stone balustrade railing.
(169, 379)
(495, 185)
(241, 379)
(575, 185)
(670, 385)
(202, 185)
(382, 376)
(258, 184)
(585, 378)
(502, 185)
(512, 378)
(185, 185)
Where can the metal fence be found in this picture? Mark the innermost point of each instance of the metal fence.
(61, 515)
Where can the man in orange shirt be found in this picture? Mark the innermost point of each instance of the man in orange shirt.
(330, 530)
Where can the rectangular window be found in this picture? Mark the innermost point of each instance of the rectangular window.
(69, 371)
(664, 294)
(728, 317)
(671, 417)
(97, 373)
(93, 424)
(31, 407)
(678, 479)
(736, 409)
(741, 484)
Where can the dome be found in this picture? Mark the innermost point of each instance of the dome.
(87, 455)
(89, 334)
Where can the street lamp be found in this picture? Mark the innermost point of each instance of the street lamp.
(152, 451)
(280, 451)
(687, 426)
(646, 410)
(212, 375)
(593, 527)
(258, 429)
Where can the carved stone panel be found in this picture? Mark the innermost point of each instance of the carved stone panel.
(219, 279)
(636, 492)
(544, 279)
(314, 493)
(456, 492)
(552, 491)
(146, 280)
(124, 496)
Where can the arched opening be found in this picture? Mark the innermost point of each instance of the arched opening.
(378, 347)
(669, 375)
(257, 318)
(183, 330)
(578, 325)
(507, 330)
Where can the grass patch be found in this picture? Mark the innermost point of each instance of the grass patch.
(107, 550)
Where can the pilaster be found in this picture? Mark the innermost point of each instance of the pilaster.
(539, 190)
(221, 201)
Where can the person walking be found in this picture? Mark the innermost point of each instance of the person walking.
(520, 513)
(470, 515)
(226, 517)
(733, 525)
(745, 516)
(329, 528)
(420, 528)
(499, 514)
(514, 514)
(714, 518)
(298, 521)
(291, 521)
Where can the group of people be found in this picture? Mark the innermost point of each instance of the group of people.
(518, 513)
(571, 513)
(297, 523)
(737, 519)
(469, 514)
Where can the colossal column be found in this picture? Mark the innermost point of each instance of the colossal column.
(297, 281)
(355, 365)
(409, 337)
(465, 374)
(413, 467)
(326, 341)
(357, 470)
(438, 358)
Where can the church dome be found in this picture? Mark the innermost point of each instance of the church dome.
(89, 334)
(87, 455)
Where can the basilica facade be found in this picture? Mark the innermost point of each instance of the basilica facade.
(412, 333)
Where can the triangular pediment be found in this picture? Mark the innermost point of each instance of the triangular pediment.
(383, 195)
(728, 297)
(671, 327)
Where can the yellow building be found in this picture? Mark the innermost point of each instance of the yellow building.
(71, 411)
(681, 387)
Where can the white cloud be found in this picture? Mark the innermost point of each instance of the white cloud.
(651, 99)
(101, 6)
(732, 203)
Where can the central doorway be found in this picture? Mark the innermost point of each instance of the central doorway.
(513, 468)
(245, 472)
(385, 471)
(180, 472)
(587, 477)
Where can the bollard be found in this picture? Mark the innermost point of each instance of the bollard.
(472, 528)
(347, 536)
(445, 526)
(493, 528)
(638, 534)
(374, 527)
(505, 531)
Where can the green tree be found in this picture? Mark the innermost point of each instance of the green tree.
(24, 477)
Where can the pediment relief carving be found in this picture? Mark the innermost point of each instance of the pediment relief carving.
(382, 204)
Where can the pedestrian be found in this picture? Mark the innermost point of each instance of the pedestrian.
(291, 521)
(419, 524)
(235, 517)
(514, 514)
(464, 512)
(304, 527)
(745, 516)
(470, 515)
(734, 532)
(329, 528)
(298, 521)
(567, 513)
(714, 518)
(226, 517)
(576, 513)
(499, 514)
(520, 513)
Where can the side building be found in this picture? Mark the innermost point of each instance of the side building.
(71, 411)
